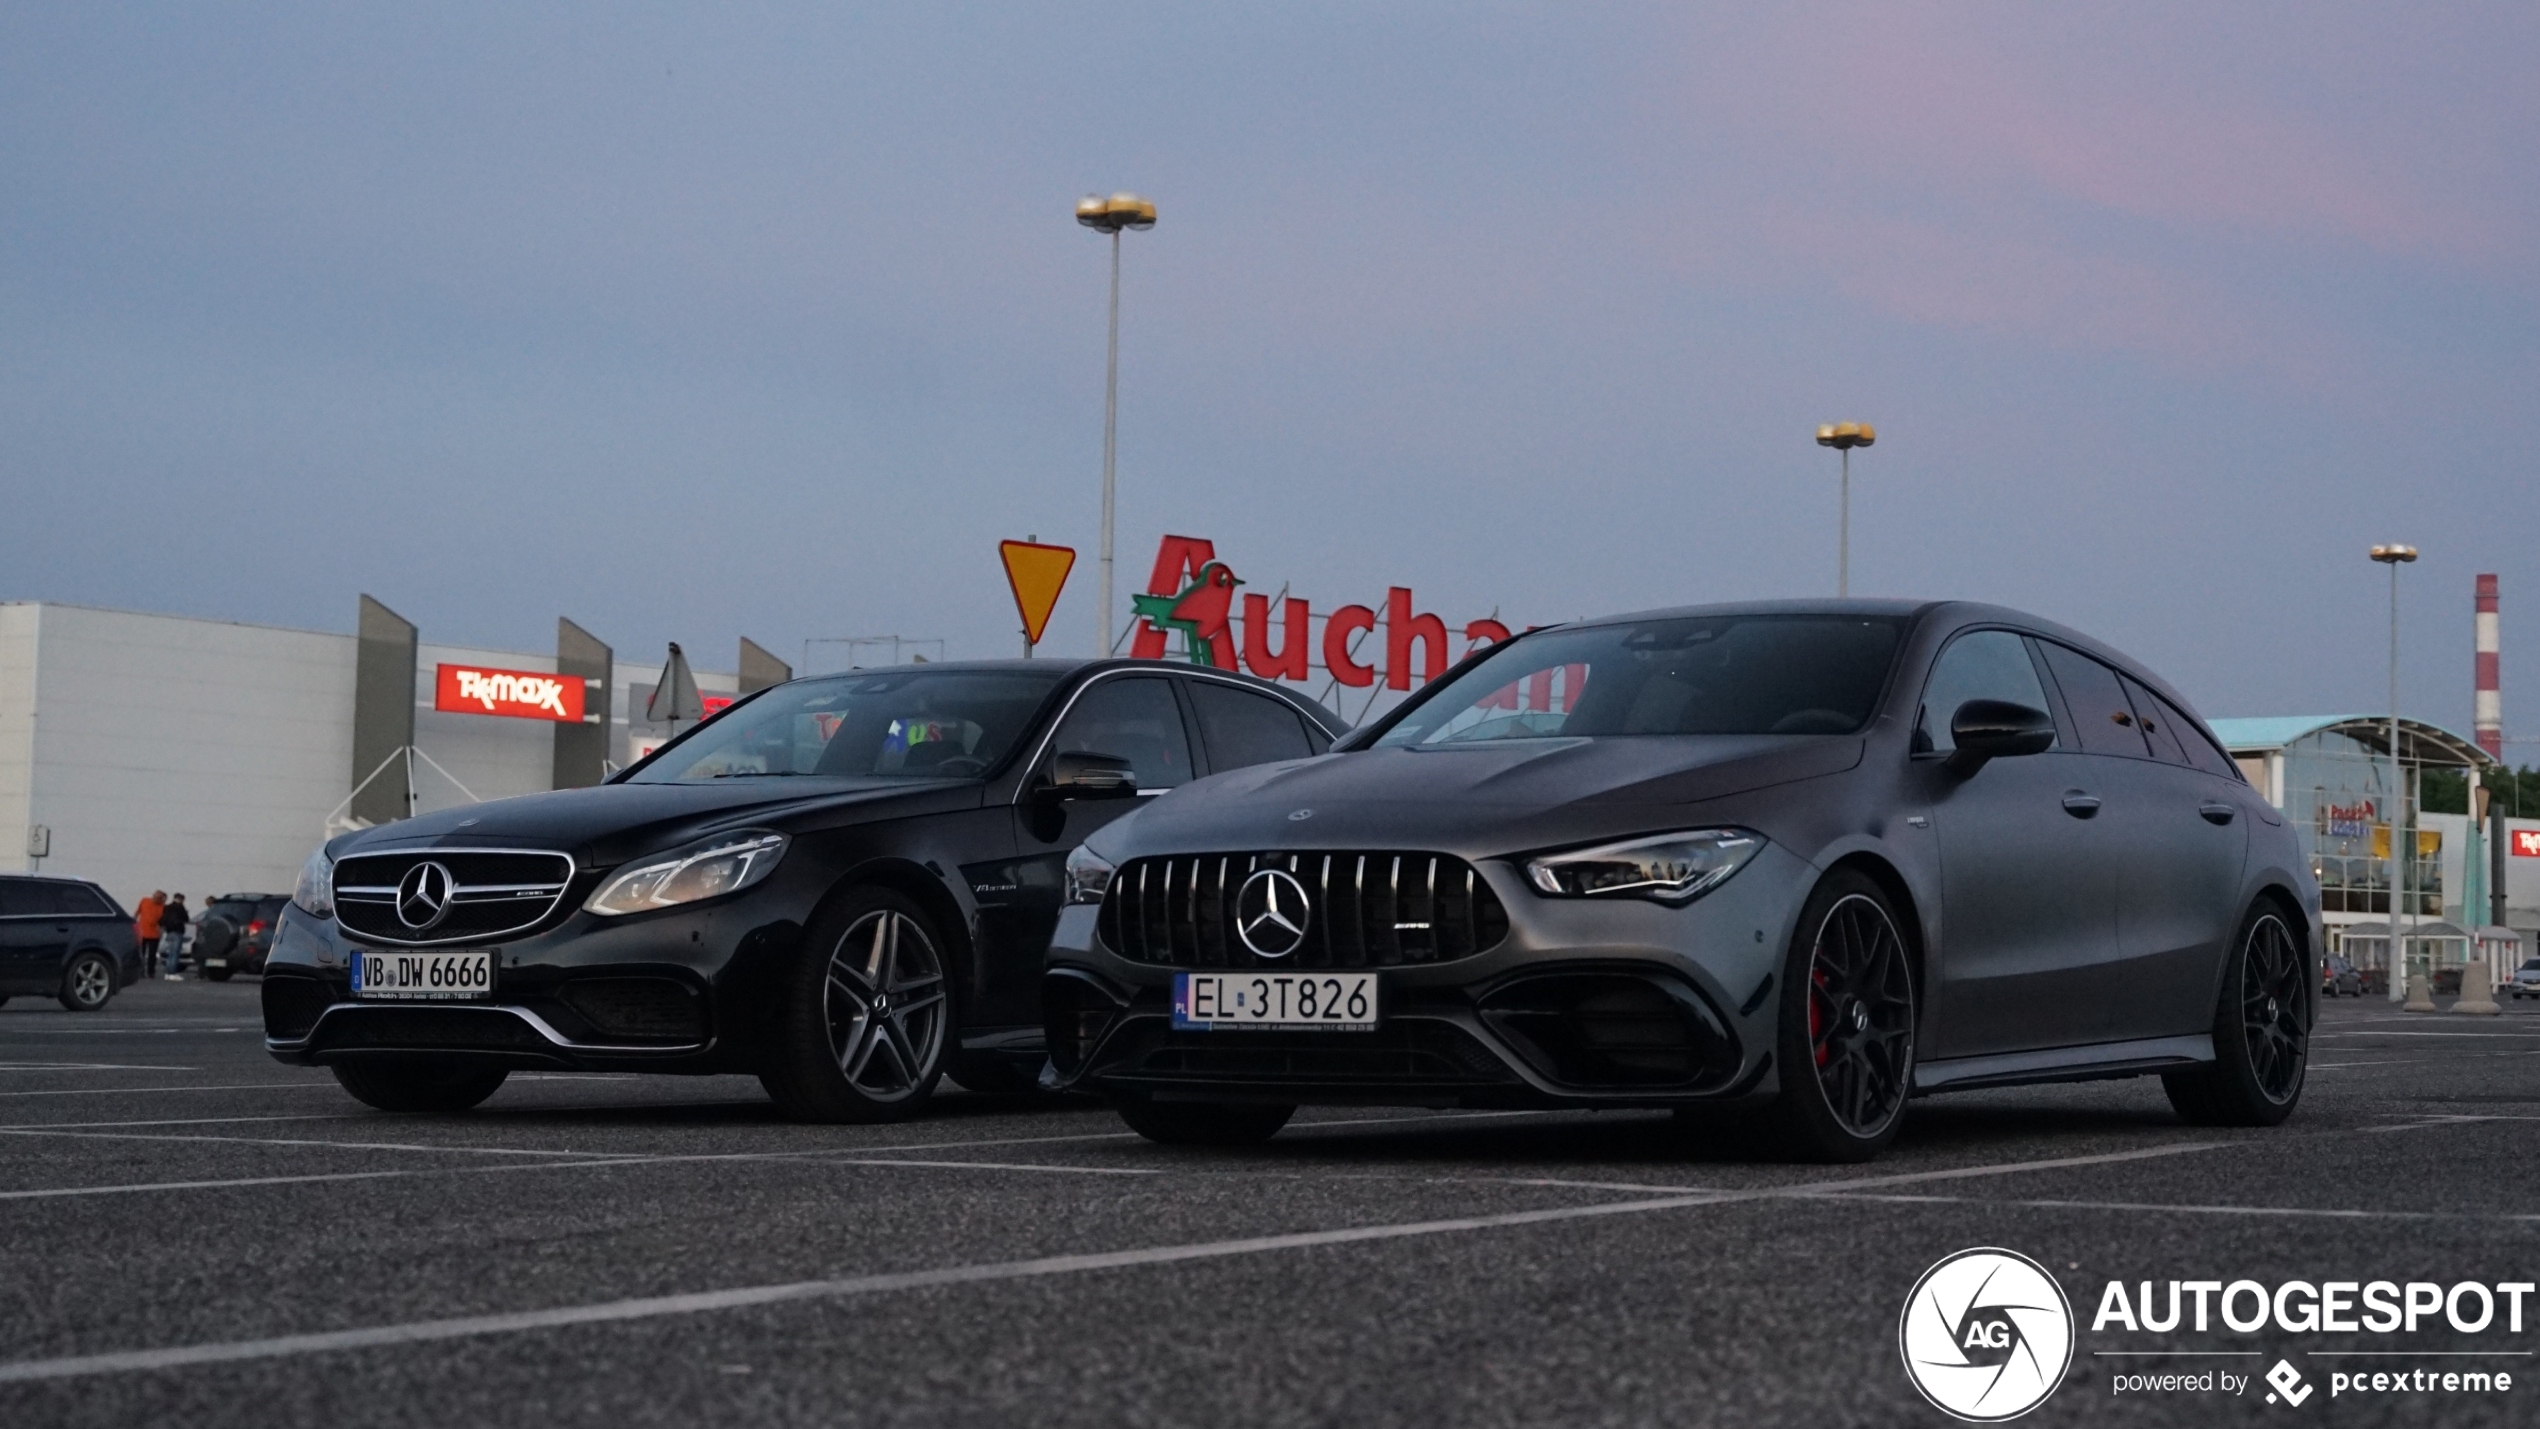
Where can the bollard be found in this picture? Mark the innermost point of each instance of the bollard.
(2478, 990)
(2420, 992)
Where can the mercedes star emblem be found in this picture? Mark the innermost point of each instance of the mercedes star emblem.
(423, 895)
(1271, 913)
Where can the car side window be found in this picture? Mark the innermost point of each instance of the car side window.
(2101, 714)
(2153, 718)
(1242, 728)
(2201, 750)
(1135, 719)
(18, 899)
(1980, 665)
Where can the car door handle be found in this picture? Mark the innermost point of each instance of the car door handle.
(2081, 805)
(2218, 813)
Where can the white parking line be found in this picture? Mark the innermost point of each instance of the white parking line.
(655, 1307)
(92, 1067)
(2165, 1208)
(137, 1091)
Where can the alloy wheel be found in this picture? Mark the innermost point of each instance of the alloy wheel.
(91, 982)
(1861, 1015)
(2271, 1008)
(884, 1005)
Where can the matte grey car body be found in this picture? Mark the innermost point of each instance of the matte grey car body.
(2069, 913)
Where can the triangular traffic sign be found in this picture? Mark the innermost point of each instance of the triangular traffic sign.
(1037, 573)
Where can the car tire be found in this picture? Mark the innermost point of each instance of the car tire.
(1846, 1036)
(1205, 1123)
(866, 1023)
(2261, 1032)
(88, 983)
(218, 974)
(419, 1084)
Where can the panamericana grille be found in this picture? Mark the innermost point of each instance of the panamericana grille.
(1366, 909)
(492, 893)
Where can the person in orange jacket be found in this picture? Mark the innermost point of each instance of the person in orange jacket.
(145, 926)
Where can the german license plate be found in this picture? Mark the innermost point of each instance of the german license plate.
(425, 977)
(1287, 1002)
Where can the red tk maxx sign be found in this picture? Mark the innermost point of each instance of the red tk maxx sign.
(520, 694)
(2527, 843)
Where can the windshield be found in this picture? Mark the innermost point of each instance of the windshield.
(1717, 674)
(902, 724)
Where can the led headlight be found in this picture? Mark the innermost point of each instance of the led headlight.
(707, 868)
(1671, 868)
(1088, 875)
(314, 894)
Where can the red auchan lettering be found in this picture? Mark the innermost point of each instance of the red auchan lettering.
(517, 694)
(1193, 592)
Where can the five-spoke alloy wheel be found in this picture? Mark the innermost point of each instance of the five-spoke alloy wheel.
(868, 1015)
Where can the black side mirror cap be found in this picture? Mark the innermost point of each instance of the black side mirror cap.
(1082, 774)
(1985, 730)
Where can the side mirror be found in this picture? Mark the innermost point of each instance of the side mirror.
(1082, 774)
(1996, 729)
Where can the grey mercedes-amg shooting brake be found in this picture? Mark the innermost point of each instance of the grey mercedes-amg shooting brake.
(1809, 859)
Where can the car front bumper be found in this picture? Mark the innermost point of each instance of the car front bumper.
(1586, 1002)
(673, 991)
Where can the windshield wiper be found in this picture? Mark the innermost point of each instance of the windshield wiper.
(760, 774)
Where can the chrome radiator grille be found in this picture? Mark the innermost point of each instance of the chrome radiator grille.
(1366, 909)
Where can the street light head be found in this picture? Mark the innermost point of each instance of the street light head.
(1121, 210)
(2394, 555)
(1843, 436)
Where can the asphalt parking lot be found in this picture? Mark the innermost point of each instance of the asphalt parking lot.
(193, 1234)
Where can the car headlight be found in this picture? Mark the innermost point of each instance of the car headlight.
(707, 868)
(1671, 868)
(1088, 875)
(314, 894)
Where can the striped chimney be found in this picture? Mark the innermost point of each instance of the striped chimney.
(2487, 718)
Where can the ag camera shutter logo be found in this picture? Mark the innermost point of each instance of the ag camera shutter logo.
(1986, 1335)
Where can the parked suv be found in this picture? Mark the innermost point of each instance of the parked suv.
(2526, 981)
(64, 938)
(235, 932)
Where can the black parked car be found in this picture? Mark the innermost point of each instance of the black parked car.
(2338, 978)
(1810, 858)
(64, 938)
(235, 932)
(842, 884)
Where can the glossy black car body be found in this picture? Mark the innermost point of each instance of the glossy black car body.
(64, 938)
(235, 932)
(2074, 906)
(966, 851)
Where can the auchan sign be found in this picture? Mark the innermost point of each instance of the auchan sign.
(1194, 593)
(519, 694)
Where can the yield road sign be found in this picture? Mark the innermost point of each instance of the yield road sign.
(1037, 573)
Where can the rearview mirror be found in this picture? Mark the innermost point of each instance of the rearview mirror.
(1083, 774)
(1996, 729)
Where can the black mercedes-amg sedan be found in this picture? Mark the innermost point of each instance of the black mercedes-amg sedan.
(1796, 862)
(842, 884)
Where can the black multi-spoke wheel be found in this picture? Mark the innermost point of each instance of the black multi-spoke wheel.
(2262, 1031)
(868, 1016)
(1847, 1029)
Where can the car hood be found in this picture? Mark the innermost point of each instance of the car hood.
(1479, 799)
(607, 823)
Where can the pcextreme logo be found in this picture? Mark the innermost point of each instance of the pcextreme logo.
(1986, 1335)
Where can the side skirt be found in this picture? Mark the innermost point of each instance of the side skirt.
(2064, 1064)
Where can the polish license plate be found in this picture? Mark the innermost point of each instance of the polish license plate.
(427, 977)
(1287, 1002)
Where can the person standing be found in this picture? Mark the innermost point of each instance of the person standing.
(172, 921)
(145, 926)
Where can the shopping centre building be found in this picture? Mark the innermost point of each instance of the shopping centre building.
(205, 756)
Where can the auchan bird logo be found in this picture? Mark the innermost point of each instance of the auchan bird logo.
(1202, 611)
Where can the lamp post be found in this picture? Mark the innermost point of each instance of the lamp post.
(1843, 437)
(1111, 215)
(2395, 557)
